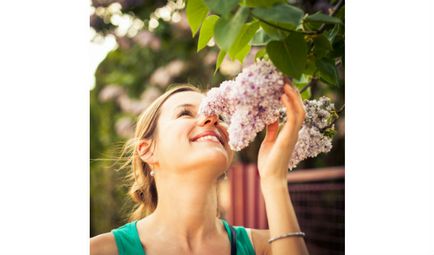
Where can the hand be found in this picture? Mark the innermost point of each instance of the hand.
(277, 147)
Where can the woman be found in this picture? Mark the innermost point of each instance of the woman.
(180, 156)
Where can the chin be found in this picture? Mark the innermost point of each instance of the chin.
(211, 159)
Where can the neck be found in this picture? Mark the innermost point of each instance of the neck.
(187, 208)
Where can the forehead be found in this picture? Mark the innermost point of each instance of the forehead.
(180, 98)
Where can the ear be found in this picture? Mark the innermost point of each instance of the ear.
(145, 151)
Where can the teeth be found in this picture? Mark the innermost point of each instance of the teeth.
(208, 137)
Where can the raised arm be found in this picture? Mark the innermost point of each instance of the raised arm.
(273, 159)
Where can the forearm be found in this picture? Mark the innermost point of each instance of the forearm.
(282, 218)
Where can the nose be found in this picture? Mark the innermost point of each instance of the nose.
(208, 120)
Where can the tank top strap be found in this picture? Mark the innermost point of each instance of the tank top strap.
(127, 239)
(244, 245)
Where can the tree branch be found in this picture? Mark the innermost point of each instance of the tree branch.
(321, 29)
(271, 24)
(307, 86)
(282, 28)
(332, 13)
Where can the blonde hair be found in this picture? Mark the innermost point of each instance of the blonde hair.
(143, 190)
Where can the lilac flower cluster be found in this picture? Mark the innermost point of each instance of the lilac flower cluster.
(319, 113)
(316, 134)
(248, 103)
(252, 101)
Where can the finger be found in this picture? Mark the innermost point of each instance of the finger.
(295, 98)
(299, 98)
(284, 99)
(290, 109)
(287, 81)
(289, 100)
(271, 132)
(287, 129)
(290, 83)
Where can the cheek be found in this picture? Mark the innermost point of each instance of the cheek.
(175, 134)
(174, 146)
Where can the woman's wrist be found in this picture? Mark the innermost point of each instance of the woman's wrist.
(273, 183)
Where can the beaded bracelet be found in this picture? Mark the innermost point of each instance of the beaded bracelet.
(289, 234)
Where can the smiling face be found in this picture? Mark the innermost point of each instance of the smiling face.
(188, 142)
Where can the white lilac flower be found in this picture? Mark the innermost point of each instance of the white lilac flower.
(252, 100)
(319, 113)
(316, 134)
(310, 143)
(219, 101)
(249, 103)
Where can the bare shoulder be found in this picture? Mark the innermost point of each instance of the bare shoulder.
(260, 239)
(103, 244)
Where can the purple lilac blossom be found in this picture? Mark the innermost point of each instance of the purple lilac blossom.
(252, 100)
(319, 112)
(249, 103)
(312, 139)
(310, 143)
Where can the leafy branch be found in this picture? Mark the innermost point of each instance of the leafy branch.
(294, 54)
(280, 27)
(332, 13)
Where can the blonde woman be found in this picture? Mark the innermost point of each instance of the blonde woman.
(177, 158)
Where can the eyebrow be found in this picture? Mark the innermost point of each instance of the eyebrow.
(185, 105)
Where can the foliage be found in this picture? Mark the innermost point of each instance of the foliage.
(299, 44)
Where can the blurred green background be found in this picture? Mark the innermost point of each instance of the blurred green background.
(148, 46)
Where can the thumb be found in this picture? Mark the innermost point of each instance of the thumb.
(272, 131)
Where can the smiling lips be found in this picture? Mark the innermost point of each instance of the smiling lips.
(208, 136)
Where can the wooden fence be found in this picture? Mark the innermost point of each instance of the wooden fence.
(318, 196)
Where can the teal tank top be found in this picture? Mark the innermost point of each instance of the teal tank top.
(128, 241)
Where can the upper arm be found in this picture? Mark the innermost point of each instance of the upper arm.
(103, 244)
(260, 239)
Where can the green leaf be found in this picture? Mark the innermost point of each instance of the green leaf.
(274, 33)
(321, 46)
(327, 71)
(261, 3)
(338, 50)
(241, 54)
(301, 83)
(227, 30)
(310, 68)
(260, 38)
(206, 31)
(309, 26)
(307, 94)
(289, 55)
(222, 7)
(219, 61)
(196, 13)
(331, 34)
(320, 17)
(246, 34)
(261, 53)
(341, 13)
(282, 15)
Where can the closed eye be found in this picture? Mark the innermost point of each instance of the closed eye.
(185, 112)
(189, 113)
(223, 119)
